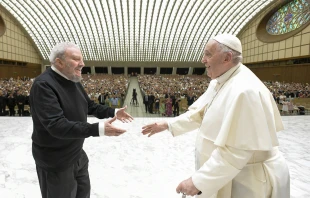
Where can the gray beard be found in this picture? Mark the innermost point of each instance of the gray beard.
(75, 78)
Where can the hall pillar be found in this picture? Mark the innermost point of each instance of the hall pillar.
(157, 70)
(92, 70)
(125, 71)
(174, 71)
(190, 71)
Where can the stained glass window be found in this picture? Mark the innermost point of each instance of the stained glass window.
(289, 17)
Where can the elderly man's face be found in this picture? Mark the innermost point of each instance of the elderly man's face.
(73, 64)
(213, 59)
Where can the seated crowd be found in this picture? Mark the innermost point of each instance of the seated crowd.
(171, 90)
(166, 95)
(169, 94)
(14, 96)
(284, 93)
(14, 93)
(106, 89)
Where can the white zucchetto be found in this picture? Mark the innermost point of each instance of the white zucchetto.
(230, 41)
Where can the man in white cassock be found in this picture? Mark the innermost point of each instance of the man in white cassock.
(237, 119)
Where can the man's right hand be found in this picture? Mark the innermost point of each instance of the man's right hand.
(156, 127)
(110, 130)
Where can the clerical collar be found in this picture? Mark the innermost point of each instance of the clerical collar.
(224, 77)
(58, 72)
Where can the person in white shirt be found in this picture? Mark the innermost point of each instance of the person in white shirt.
(237, 119)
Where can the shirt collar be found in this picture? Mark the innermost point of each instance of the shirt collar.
(58, 72)
(224, 77)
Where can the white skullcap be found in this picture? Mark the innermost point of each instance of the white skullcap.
(230, 41)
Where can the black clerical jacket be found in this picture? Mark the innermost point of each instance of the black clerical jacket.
(59, 109)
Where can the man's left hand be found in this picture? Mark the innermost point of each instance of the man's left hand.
(123, 116)
(187, 187)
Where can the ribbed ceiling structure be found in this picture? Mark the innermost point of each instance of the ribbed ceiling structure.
(132, 30)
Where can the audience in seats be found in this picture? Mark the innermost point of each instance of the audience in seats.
(182, 90)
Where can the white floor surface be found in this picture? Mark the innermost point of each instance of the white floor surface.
(133, 165)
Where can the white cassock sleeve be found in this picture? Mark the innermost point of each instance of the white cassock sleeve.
(186, 122)
(222, 166)
(192, 119)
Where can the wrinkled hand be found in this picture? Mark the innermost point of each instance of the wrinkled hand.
(110, 130)
(156, 127)
(187, 187)
(123, 116)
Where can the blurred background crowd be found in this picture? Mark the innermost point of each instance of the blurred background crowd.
(166, 95)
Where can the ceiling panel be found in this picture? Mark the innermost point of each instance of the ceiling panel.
(132, 30)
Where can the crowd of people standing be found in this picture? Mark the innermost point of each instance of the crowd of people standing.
(14, 96)
(14, 93)
(165, 95)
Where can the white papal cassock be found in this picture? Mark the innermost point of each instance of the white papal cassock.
(237, 147)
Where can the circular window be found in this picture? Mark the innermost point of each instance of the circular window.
(2, 26)
(284, 21)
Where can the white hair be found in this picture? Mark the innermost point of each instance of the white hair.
(59, 50)
(236, 56)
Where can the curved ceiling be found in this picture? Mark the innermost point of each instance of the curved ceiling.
(132, 30)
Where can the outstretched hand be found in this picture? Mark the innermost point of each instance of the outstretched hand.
(156, 127)
(123, 116)
(110, 130)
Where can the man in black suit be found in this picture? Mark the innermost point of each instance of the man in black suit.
(151, 102)
(11, 103)
(190, 99)
(59, 109)
(134, 97)
(2, 103)
(101, 99)
(20, 101)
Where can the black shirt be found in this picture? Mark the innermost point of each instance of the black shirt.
(59, 109)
